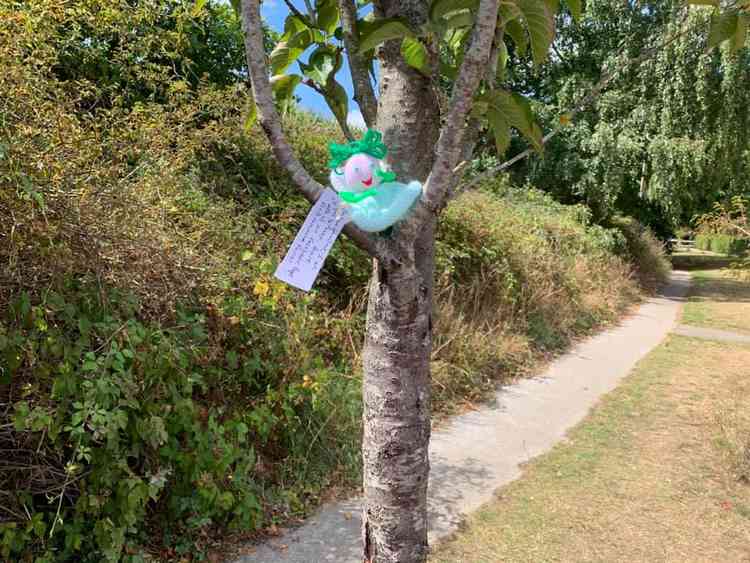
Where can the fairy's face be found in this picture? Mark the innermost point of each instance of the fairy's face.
(359, 172)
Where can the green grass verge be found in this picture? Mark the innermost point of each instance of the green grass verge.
(718, 299)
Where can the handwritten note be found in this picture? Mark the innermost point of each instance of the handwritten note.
(313, 242)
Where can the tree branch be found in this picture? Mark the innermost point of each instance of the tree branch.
(310, 9)
(364, 94)
(451, 138)
(474, 126)
(270, 121)
(296, 12)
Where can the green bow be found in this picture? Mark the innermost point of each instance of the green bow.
(371, 143)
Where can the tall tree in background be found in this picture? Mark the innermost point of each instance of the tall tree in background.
(420, 47)
(669, 136)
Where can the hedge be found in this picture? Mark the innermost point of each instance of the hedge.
(722, 244)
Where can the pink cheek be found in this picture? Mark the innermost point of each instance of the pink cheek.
(351, 177)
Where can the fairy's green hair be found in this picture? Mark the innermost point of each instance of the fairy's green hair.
(371, 143)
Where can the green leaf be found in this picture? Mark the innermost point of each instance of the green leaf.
(383, 30)
(516, 110)
(540, 22)
(440, 8)
(553, 6)
(714, 3)
(463, 18)
(225, 501)
(508, 12)
(723, 26)
(365, 25)
(518, 35)
(292, 26)
(502, 60)
(237, 7)
(500, 129)
(457, 41)
(232, 359)
(327, 15)
(576, 8)
(321, 64)
(283, 56)
(283, 87)
(198, 7)
(448, 70)
(415, 54)
(740, 36)
(304, 38)
(157, 435)
(337, 100)
(252, 115)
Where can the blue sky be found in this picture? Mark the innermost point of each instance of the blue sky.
(274, 12)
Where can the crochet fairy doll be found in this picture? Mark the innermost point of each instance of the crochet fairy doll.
(366, 185)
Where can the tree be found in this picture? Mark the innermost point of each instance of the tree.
(136, 52)
(420, 48)
(667, 138)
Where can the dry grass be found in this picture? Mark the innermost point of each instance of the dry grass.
(519, 278)
(718, 300)
(732, 419)
(647, 477)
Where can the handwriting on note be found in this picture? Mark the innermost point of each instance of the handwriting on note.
(311, 246)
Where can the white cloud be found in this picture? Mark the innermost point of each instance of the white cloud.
(355, 120)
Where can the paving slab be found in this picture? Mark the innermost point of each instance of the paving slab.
(478, 452)
(711, 334)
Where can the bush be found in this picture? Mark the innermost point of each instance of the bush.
(685, 233)
(722, 244)
(519, 277)
(644, 251)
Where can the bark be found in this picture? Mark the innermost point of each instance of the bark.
(364, 94)
(396, 392)
(396, 384)
(408, 112)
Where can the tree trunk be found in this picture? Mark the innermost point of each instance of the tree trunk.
(396, 386)
(396, 391)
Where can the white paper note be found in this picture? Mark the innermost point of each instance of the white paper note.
(313, 242)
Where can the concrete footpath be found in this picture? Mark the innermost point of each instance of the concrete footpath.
(711, 334)
(478, 452)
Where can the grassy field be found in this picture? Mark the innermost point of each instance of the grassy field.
(718, 300)
(659, 471)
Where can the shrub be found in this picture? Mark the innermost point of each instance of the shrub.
(722, 244)
(519, 276)
(644, 251)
